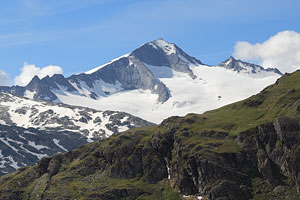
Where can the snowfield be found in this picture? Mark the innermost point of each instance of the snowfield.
(214, 87)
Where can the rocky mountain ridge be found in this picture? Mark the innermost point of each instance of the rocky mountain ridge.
(248, 68)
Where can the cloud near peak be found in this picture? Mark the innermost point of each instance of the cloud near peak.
(281, 51)
(29, 71)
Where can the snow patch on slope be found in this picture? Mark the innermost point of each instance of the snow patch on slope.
(36, 146)
(56, 142)
(29, 94)
(13, 163)
(101, 87)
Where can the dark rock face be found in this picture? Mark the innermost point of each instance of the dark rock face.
(277, 146)
(151, 55)
(16, 90)
(154, 164)
(42, 88)
(59, 79)
(132, 74)
(266, 152)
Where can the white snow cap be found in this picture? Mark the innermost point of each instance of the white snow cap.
(168, 48)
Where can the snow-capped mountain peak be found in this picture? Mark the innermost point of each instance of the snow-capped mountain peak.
(167, 47)
(162, 53)
(248, 68)
(154, 81)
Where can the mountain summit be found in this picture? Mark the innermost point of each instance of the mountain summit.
(161, 53)
(155, 81)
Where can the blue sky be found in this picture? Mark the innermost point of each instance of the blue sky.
(79, 35)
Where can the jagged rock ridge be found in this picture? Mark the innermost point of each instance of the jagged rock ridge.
(248, 68)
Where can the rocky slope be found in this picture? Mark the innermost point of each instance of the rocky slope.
(30, 130)
(43, 115)
(161, 78)
(246, 150)
(20, 147)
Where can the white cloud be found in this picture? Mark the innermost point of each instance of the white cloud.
(29, 71)
(281, 51)
(4, 78)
